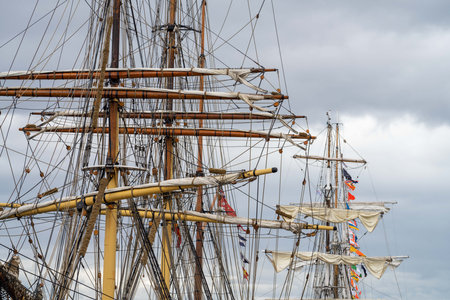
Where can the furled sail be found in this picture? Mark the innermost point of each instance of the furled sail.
(375, 265)
(369, 218)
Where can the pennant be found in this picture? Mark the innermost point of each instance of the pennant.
(176, 228)
(223, 203)
(245, 273)
(350, 196)
(244, 260)
(354, 275)
(353, 225)
(242, 228)
(228, 209)
(352, 239)
(356, 270)
(350, 185)
(354, 250)
(242, 238)
(347, 176)
(364, 270)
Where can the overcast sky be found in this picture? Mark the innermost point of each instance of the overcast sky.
(382, 68)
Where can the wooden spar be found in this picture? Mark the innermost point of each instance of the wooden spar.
(361, 161)
(114, 74)
(192, 216)
(199, 203)
(122, 194)
(178, 115)
(119, 92)
(167, 131)
(213, 218)
(109, 263)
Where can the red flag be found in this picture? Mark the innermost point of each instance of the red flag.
(350, 196)
(228, 209)
(177, 232)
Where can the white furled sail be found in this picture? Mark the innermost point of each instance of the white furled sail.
(375, 265)
(336, 215)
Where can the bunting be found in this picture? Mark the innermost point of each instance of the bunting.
(355, 291)
(223, 203)
(355, 273)
(242, 244)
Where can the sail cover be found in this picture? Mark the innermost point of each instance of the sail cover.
(375, 265)
(335, 215)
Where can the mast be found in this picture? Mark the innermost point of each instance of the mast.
(109, 263)
(328, 193)
(199, 204)
(169, 150)
(336, 267)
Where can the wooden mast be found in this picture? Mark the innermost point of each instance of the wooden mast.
(109, 263)
(169, 150)
(199, 204)
(336, 174)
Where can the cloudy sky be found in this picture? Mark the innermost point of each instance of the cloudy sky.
(381, 68)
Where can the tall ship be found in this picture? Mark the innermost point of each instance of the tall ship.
(331, 264)
(138, 164)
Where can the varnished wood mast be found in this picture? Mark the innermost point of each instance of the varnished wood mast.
(198, 280)
(112, 74)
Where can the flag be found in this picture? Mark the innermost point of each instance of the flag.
(224, 204)
(352, 238)
(357, 270)
(350, 196)
(242, 228)
(354, 250)
(244, 260)
(364, 270)
(355, 276)
(353, 225)
(178, 233)
(350, 185)
(245, 273)
(347, 176)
